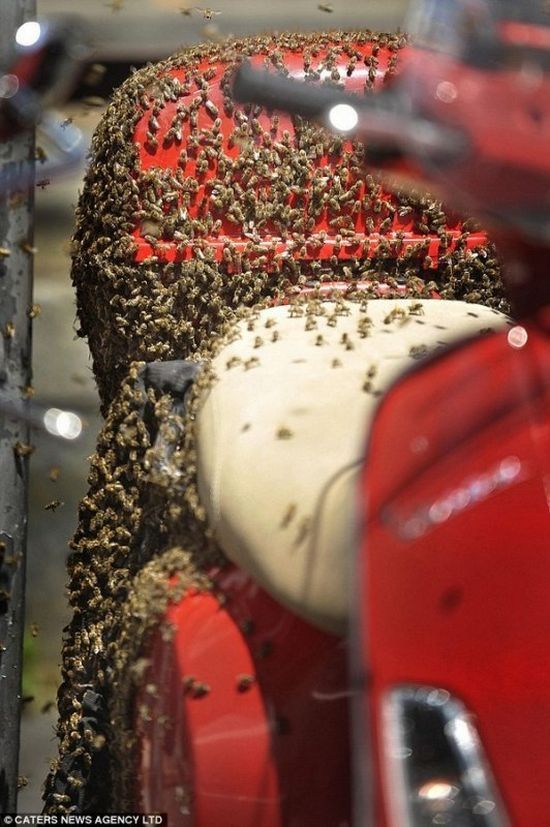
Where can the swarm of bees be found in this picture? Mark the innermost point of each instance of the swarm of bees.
(233, 167)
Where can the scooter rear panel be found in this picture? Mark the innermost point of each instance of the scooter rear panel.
(455, 566)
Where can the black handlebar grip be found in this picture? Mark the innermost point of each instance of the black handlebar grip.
(277, 92)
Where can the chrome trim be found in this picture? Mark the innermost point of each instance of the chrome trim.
(462, 738)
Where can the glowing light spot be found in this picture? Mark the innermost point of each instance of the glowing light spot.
(446, 92)
(517, 337)
(343, 117)
(64, 424)
(483, 807)
(462, 732)
(438, 697)
(9, 85)
(509, 469)
(28, 34)
(437, 791)
(440, 511)
(419, 444)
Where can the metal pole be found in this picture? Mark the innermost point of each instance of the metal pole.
(16, 238)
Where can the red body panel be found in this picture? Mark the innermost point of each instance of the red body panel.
(455, 562)
(255, 730)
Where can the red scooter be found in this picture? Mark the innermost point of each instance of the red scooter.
(242, 715)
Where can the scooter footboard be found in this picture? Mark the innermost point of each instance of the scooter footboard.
(243, 715)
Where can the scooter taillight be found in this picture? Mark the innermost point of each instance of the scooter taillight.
(434, 762)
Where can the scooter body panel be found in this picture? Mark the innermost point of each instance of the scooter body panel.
(455, 563)
(254, 705)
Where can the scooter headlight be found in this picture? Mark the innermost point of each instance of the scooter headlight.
(435, 771)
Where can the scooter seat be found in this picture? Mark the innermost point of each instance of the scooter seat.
(282, 431)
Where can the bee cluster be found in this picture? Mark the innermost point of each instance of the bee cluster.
(167, 258)
(194, 206)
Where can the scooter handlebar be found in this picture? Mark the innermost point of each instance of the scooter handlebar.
(280, 92)
(384, 120)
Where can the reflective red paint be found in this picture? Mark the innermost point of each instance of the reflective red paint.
(461, 602)
(256, 731)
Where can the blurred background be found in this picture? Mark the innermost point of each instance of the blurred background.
(123, 34)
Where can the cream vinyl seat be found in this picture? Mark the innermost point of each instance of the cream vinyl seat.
(282, 432)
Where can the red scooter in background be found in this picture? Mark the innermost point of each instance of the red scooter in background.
(452, 626)
(453, 610)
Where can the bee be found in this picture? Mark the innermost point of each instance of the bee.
(195, 688)
(92, 77)
(211, 108)
(289, 515)
(61, 799)
(46, 707)
(244, 682)
(35, 628)
(23, 449)
(4, 252)
(207, 13)
(43, 183)
(418, 351)
(284, 433)
(326, 7)
(351, 65)
(9, 330)
(93, 101)
(396, 313)
(40, 154)
(27, 247)
(53, 505)
(34, 311)
(75, 782)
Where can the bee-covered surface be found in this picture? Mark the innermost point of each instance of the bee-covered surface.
(142, 521)
(193, 206)
(121, 33)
